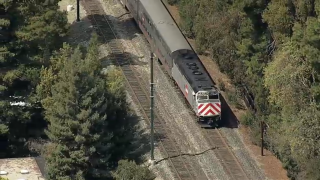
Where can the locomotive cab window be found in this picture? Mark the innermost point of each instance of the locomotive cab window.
(202, 97)
(213, 96)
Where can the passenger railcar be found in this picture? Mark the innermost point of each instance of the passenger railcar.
(178, 58)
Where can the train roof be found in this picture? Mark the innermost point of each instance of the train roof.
(191, 67)
(165, 25)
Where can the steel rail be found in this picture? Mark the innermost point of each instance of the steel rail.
(98, 18)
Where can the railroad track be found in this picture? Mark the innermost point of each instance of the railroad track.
(180, 167)
(229, 161)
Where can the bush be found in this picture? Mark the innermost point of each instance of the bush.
(248, 118)
(172, 2)
(129, 170)
(234, 99)
(221, 85)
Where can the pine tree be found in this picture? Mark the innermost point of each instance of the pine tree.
(41, 27)
(29, 32)
(86, 119)
(5, 35)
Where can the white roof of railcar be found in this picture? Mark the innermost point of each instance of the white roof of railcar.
(165, 24)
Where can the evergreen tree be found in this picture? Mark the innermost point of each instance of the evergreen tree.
(86, 119)
(29, 32)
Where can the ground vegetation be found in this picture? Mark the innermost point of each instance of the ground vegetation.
(270, 51)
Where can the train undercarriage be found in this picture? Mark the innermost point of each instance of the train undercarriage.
(209, 122)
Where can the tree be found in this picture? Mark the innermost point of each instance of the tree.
(280, 19)
(272, 48)
(42, 29)
(29, 32)
(85, 117)
(287, 79)
(13, 126)
(34, 30)
(131, 171)
(48, 75)
(188, 12)
(77, 120)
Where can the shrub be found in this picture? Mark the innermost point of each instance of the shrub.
(129, 170)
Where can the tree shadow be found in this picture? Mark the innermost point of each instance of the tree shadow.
(140, 143)
(106, 26)
(131, 27)
(80, 32)
(122, 59)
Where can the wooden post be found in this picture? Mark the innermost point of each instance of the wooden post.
(262, 132)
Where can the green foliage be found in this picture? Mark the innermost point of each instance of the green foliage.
(86, 116)
(280, 19)
(131, 171)
(13, 116)
(286, 77)
(188, 11)
(172, 2)
(30, 31)
(248, 118)
(89, 128)
(234, 98)
(272, 49)
(2, 178)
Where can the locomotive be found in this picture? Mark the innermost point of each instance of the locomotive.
(179, 59)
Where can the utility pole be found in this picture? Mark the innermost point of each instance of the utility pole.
(78, 10)
(262, 132)
(151, 106)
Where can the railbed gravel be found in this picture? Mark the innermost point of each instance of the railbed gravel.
(250, 165)
(176, 114)
(184, 129)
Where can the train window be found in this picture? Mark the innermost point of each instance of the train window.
(202, 97)
(213, 96)
(187, 56)
(201, 79)
(193, 67)
(197, 72)
(191, 64)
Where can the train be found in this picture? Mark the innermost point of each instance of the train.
(173, 51)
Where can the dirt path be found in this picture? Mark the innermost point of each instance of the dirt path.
(269, 163)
